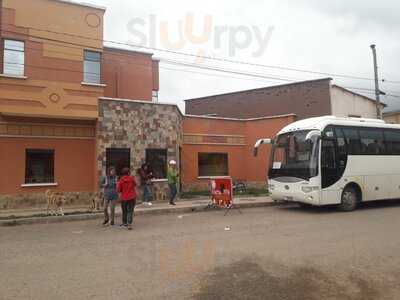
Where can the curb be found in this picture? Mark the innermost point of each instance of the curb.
(142, 212)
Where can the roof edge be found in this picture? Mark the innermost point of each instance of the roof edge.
(112, 48)
(391, 113)
(357, 94)
(82, 4)
(263, 88)
(141, 102)
(240, 120)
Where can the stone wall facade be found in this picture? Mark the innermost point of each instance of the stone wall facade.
(139, 125)
(38, 200)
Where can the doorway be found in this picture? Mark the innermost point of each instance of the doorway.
(118, 158)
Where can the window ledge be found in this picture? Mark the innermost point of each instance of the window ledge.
(26, 185)
(212, 177)
(93, 84)
(159, 180)
(13, 76)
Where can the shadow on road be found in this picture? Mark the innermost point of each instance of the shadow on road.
(247, 279)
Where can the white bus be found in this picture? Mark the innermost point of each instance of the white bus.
(330, 160)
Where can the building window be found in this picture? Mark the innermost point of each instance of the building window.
(118, 158)
(39, 166)
(213, 164)
(352, 140)
(14, 58)
(155, 96)
(157, 160)
(92, 67)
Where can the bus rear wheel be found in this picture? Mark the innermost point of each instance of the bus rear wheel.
(349, 199)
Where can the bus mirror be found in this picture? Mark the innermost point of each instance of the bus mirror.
(261, 142)
(313, 134)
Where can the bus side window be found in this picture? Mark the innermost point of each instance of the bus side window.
(353, 141)
(372, 141)
(342, 147)
(392, 138)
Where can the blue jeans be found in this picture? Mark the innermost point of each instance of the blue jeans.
(172, 192)
(147, 193)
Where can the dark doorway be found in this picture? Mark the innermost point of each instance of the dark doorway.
(118, 158)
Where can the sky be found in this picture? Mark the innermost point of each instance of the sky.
(267, 37)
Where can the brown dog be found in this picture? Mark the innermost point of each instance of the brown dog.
(55, 203)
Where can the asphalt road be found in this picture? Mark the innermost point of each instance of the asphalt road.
(268, 253)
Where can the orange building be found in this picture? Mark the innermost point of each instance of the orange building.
(224, 147)
(53, 69)
(70, 108)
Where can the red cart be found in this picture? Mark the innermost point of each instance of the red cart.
(222, 193)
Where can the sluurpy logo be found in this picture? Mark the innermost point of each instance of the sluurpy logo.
(210, 40)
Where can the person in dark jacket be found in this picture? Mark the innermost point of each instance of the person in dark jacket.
(109, 184)
(146, 175)
(127, 195)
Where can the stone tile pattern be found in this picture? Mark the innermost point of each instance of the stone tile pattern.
(138, 126)
(38, 200)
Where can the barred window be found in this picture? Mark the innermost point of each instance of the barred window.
(39, 166)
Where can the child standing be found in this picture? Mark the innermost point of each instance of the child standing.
(109, 184)
(127, 193)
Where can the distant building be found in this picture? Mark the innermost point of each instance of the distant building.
(304, 99)
(392, 117)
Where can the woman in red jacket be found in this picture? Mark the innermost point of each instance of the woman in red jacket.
(127, 195)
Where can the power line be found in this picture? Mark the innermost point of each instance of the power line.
(192, 65)
(218, 69)
(205, 57)
(371, 90)
(237, 72)
(187, 71)
(186, 64)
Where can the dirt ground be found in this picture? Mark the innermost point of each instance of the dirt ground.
(265, 253)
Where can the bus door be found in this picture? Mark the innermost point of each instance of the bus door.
(329, 168)
(332, 168)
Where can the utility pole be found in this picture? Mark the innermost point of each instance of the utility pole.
(377, 90)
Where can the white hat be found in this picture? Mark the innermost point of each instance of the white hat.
(172, 162)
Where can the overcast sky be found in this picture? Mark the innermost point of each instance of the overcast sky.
(325, 36)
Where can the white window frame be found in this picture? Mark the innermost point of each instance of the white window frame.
(88, 76)
(19, 69)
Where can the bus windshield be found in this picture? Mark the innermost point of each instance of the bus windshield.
(294, 156)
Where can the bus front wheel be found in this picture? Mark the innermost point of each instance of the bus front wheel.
(349, 199)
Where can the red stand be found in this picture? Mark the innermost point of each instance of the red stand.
(222, 193)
